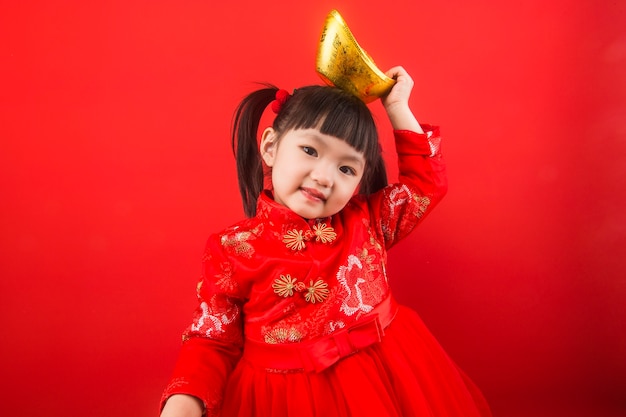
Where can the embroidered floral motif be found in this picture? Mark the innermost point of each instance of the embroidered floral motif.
(294, 239)
(316, 292)
(374, 242)
(423, 203)
(239, 243)
(284, 285)
(282, 335)
(324, 233)
(367, 259)
(225, 279)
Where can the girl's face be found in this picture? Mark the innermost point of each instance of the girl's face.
(313, 174)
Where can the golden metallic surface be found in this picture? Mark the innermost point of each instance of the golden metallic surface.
(343, 63)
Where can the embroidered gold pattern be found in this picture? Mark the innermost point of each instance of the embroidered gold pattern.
(423, 203)
(284, 285)
(282, 335)
(225, 279)
(239, 243)
(367, 259)
(317, 292)
(324, 233)
(294, 239)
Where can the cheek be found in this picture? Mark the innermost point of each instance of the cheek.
(351, 188)
(286, 174)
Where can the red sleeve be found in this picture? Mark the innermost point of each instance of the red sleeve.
(420, 162)
(422, 183)
(212, 344)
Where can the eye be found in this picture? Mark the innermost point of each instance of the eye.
(347, 170)
(309, 151)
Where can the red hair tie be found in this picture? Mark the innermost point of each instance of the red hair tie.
(281, 98)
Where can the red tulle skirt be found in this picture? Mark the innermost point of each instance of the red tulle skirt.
(407, 374)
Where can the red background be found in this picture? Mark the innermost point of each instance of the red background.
(115, 167)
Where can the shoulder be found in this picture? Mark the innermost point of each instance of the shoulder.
(388, 203)
(235, 239)
(252, 225)
(364, 203)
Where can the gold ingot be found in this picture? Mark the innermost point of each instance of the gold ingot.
(341, 62)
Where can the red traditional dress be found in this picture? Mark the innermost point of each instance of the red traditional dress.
(296, 317)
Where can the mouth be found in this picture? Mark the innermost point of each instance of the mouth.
(313, 194)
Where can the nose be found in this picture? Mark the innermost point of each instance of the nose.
(322, 174)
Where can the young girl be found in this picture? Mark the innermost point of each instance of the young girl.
(295, 313)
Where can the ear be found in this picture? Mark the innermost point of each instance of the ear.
(268, 146)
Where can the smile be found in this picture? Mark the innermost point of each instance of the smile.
(313, 194)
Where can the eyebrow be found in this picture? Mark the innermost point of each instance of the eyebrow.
(360, 159)
(355, 159)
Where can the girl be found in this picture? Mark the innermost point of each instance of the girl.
(295, 314)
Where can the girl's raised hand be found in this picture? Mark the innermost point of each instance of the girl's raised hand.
(396, 103)
(401, 90)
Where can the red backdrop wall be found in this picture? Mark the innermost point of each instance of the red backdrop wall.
(115, 167)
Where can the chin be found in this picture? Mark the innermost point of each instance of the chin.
(308, 214)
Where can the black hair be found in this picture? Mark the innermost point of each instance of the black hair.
(331, 110)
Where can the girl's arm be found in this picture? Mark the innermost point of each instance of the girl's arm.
(212, 344)
(396, 103)
(422, 181)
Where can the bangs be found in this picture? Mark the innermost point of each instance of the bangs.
(352, 127)
(333, 112)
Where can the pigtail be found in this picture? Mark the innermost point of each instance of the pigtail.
(245, 146)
